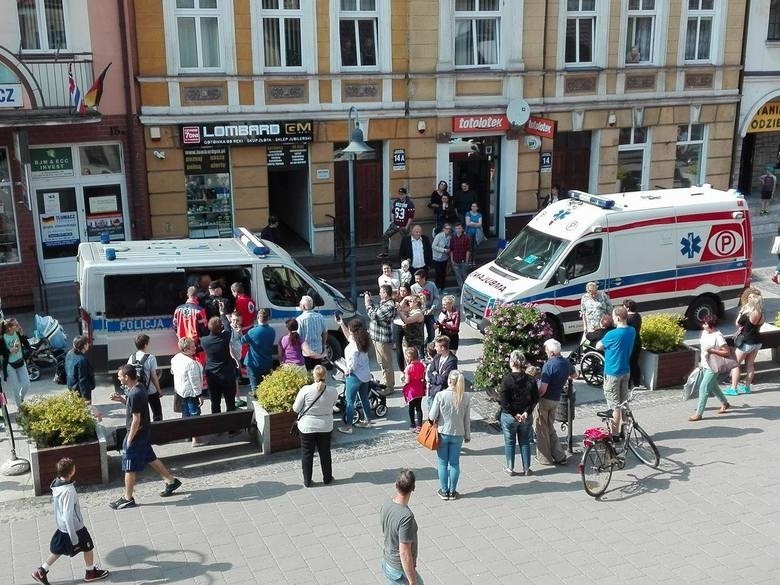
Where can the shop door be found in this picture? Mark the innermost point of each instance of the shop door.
(571, 160)
(369, 223)
(59, 233)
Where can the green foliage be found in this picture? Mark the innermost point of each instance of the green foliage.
(662, 333)
(278, 389)
(777, 319)
(64, 419)
(512, 326)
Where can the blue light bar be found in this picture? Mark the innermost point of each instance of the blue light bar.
(252, 243)
(592, 199)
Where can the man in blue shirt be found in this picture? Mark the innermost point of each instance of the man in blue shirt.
(617, 345)
(313, 332)
(259, 358)
(555, 374)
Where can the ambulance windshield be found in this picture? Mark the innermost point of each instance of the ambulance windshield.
(530, 253)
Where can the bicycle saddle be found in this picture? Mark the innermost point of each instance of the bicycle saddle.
(605, 414)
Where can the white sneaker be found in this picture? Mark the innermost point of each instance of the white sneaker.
(345, 430)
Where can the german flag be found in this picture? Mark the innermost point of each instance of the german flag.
(92, 97)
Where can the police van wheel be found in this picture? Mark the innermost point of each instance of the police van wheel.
(698, 309)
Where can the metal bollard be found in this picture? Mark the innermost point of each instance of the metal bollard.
(564, 414)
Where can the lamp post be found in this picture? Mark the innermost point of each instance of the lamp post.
(355, 148)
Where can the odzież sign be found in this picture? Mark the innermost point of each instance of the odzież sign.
(767, 119)
(247, 133)
(540, 127)
(488, 122)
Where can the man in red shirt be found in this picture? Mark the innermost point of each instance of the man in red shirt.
(245, 306)
(460, 254)
(189, 319)
(401, 217)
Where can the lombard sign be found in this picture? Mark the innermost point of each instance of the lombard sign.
(11, 95)
(490, 122)
(247, 133)
(540, 127)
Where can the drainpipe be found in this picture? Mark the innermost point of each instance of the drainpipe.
(736, 173)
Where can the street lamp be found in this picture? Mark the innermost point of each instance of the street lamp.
(356, 147)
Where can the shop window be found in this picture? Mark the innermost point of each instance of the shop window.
(9, 238)
(283, 286)
(580, 29)
(632, 149)
(282, 45)
(639, 31)
(100, 159)
(154, 295)
(689, 166)
(773, 32)
(477, 25)
(699, 30)
(197, 26)
(42, 25)
(358, 33)
(209, 196)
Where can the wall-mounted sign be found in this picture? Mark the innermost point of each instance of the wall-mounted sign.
(399, 159)
(540, 127)
(323, 174)
(11, 95)
(767, 118)
(206, 161)
(51, 162)
(545, 162)
(287, 156)
(488, 122)
(248, 133)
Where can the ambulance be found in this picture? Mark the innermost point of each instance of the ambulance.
(127, 288)
(682, 250)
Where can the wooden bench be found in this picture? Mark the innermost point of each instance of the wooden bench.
(177, 429)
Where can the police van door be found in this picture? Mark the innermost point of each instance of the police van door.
(280, 287)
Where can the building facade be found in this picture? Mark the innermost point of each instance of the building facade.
(244, 105)
(66, 175)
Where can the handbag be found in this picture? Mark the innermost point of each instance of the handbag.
(294, 431)
(721, 364)
(739, 338)
(428, 436)
(691, 387)
(775, 246)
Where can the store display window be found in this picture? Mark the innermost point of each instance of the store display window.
(9, 237)
(209, 195)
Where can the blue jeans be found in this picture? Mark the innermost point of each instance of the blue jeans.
(255, 376)
(709, 387)
(394, 576)
(517, 433)
(449, 461)
(354, 389)
(190, 407)
(461, 271)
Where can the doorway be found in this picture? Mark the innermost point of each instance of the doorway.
(571, 161)
(288, 189)
(476, 161)
(369, 223)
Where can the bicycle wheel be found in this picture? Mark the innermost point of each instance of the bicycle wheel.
(592, 367)
(596, 469)
(643, 447)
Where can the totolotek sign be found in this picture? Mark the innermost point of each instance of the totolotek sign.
(540, 127)
(490, 122)
(247, 133)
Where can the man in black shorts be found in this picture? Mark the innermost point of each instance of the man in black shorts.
(137, 450)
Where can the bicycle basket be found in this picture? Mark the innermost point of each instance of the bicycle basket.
(595, 435)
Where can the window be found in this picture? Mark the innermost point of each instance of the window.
(632, 147)
(197, 25)
(282, 33)
(209, 195)
(580, 27)
(283, 286)
(584, 259)
(9, 239)
(773, 33)
(154, 295)
(698, 36)
(639, 32)
(42, 25)
(100, 159)
(477, 25)
(688, 169)
(358, 23)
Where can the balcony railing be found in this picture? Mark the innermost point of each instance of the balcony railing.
(51, 74)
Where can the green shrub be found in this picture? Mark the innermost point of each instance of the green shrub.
(662, 333)
(278, 389)
(64, 419)
(512, 326)
(777, 319)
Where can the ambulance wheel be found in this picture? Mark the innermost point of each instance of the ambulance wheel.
(698, 309)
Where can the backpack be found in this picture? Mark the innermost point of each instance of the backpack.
(140, 370)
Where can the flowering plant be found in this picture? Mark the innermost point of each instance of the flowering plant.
(512, 326)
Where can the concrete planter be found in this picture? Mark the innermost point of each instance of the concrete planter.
(664, 370)
(91, 461)
(273, 430)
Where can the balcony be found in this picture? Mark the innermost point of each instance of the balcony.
(51, 75)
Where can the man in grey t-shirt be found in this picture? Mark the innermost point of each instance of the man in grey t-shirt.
(400, 534)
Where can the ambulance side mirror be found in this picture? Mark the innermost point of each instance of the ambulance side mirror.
(561, 275)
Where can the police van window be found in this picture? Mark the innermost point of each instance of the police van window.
(584, 259)
(151, 295)
(283, 286)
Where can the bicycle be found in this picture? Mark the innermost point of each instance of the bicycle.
(602, 453)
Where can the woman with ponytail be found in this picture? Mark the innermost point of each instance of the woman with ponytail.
(450, 410)
(314, 405)
(291, 345)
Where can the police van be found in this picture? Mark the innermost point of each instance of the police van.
(686, 250)
(127, 288)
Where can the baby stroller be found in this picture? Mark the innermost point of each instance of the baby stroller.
(47, 347)
(376, 400)
(590, 362)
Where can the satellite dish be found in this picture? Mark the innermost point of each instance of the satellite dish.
(518, 111)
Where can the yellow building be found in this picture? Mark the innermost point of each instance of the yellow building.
(244, 104)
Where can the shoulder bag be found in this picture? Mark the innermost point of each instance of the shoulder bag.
(294, 428)
(691, 387)
(428, 436)
(721, 364)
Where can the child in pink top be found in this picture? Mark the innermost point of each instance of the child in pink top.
(414, 387)
(291, 345)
